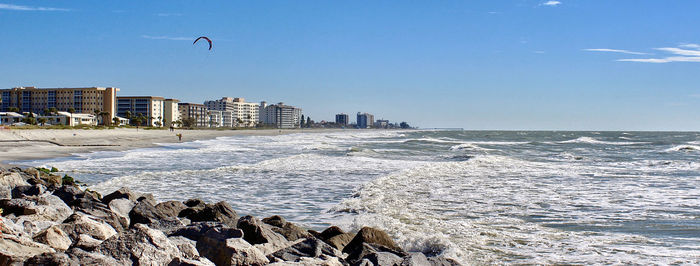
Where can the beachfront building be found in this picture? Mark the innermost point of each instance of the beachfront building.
(150, 107)
(364, 120)
(68, 119)
(171, 113)
(280, 115)
(9, 118)
(382, 123)
(243, 114)
(193, 115)
(79, 100)
(342, 119)
(215, 118)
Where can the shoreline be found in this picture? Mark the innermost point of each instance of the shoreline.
(36, 144)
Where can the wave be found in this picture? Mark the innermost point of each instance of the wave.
(589, 140)
(684, 148)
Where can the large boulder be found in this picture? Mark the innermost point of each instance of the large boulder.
(55, 238)
(14, 250)
(101, 212)
(11, 180)
(69, 194)
(373, 254)
(145, 213)
(196, 230)
(442, 261)
(310, 247)
(26, 191)
(340, 241)
(370, 235)
(330, 232)
(86, 242)
(122, 207)
(82, 257)
(415, 259)
(289, 230)
(256, 232)
(231, 251)
(51, 259)
(80, 223)
(140, 246)
(171, 208)
(219, 212)
(122, 193)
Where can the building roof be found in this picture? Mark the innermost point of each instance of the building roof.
(12, 114)
(142, 97)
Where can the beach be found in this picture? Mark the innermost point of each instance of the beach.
(32, 144)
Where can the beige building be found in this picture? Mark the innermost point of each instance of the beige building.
(83, 100)
(171, 113)
(243, 114)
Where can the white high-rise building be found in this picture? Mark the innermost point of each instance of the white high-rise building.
(280, 115)
(244, 114)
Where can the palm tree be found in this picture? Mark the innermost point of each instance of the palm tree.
(116, 121)
(71, 111)
(53, 110)
(42, 120)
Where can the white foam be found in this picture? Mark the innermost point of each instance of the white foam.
(589, 140)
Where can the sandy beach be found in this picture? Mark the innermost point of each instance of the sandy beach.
(31, 144)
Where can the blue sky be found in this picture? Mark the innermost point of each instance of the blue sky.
(568, 64)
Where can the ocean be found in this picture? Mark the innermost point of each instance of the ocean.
(481, 197)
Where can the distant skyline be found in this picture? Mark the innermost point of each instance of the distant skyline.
(530, 65)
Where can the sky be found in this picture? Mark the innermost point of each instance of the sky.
(483, 65)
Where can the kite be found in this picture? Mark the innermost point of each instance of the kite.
(203, 37)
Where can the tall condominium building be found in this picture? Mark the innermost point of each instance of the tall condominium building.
(171, 113)
(151, 107)
(198, 112)
(280, 115)
(244, 114)
(342, 119)
(381, 123)
(365, 120)
(83, 100)
(215, 118)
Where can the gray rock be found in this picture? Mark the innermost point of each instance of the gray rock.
(442, 261)
(189, 262)
(140, 246)
(15, 250)
(79, 223)
(383, 258)
(256, 232)
(232, 251)
(371, 236)
(310, 247)
(330, 232)
(82, 257)
(196, 230)
(340, 241)
(195, 203)
(122, 207)
(60, 259)
(86, 242)
(69, 194)
(54, 237)
(12, 180)
(25, 191)
(122, 193)
(145, 213)
(187, 247)
(305, 261)
(415, 259)
(219, 212)
(289, 230)
(171, 208)
(374, 253)
(275, 220)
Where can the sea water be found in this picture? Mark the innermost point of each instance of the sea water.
(479, 197)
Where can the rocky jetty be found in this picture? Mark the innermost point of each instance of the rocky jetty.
(48, 220)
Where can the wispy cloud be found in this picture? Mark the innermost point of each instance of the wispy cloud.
(683, 53)
(168, 14)
(30, 8)
(613, 51)
(166, 38)
(551, 3)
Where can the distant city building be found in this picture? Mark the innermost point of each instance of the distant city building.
(151, 107)
(171, 112)
(197, 112)
(215, 118)
(364, 120)
(9, 118)
(342, 119)
(243, 114)
(382, 123)
(280, 115)
(83, 100)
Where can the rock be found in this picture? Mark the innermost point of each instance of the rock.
(145, 213)
(255, 232)
(340, 241)
(12, 180)
(195, 203)
(323, 260)
(15, 250)
(187, 247)
(196, 230)
(54, 237)
(310, 247)
(275, 220)
(375, 254)
(26, 226)
(289, 230)
(86, 242)
(219, 212)
(38, 208)
(371, 236)
(50, 259)
(82, 257)
(140, 246)
(442, 261)
(415, 259)
(69, 194)
(122, 207)
(101, 212)
(171, 208)
(79, 223)
(232, 251)
(25, 191)
(330, 232)
(17, 206)
(122, 193)
(188, 262)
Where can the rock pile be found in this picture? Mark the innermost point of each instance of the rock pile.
(46, 222)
